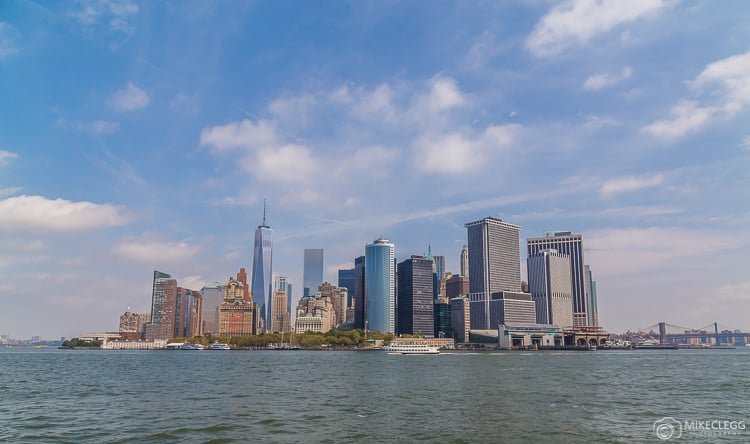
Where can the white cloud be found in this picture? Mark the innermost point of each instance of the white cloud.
(443, 95)
(244, 134)
(746, 143)
(37, 213)
(687, 117)
(305, 197)
(287, 163)
(379, 103)
(728, 79)
(371, 158)
(576, 22)
(154, 251)
(192, 282)
(626, 251)
(455, 153)
(630, 183)
(8, 36)
(114, 14)
(9, 191)
(293, 109)
(6, 157)
(599, 81)
(129, 99)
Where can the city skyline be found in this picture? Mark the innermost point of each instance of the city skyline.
(141, 136)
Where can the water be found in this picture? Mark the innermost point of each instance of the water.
(287, 396)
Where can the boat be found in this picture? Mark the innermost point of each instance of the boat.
(191, 346)
(219, 346)
(404, 348)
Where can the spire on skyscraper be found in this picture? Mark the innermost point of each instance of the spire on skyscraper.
(429, 252)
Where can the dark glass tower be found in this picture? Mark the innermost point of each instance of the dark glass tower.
(415, 304)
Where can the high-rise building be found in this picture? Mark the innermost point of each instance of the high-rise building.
(236, 314)
(261, 280)
(315, 314)
(281, 283)
(551, 288)
(380, 286)
(281, 319)
(442, 315)
(213, 296)
(360, 303)
(415, 302)
(313, 271)
(591, 300)
(157, 296)
(131, 324)
(338, 297)
(460, 318)
(465, 261)
(188, 311)
(346, 280)
(456, 286)
(438, 264)
(494, 264)
(572, 245)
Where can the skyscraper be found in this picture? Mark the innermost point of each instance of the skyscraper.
(465, 261)
(572, 245)
(157, 295)
(590, 289)
(313, 271)
(550, 287)
(380, 286)
(213, 295)
(261, 279)
(494, 265)
(346, 280)
(281, 283)
(360, 303)
(415, 310)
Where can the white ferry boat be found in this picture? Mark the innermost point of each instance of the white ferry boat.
(219, 346)
(410, 349)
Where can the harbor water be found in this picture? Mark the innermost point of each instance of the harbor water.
(349, 396)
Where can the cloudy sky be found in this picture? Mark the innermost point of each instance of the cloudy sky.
(141, 136)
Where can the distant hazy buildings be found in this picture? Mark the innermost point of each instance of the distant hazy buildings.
(313, 271)
(213, 296)
(465, 261)
(571, 245)
(261, 279)
(494, 265)
(346, 280)
(415, 297)
(380, 286)
(360, 304)
(551, 288)
(590, 289)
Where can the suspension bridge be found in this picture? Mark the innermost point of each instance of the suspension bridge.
(712, 334)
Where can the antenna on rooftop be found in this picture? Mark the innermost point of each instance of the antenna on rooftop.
(264, 211)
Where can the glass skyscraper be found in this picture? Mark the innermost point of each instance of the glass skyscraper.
(380, 286)
(415, 310)
(360, 303)
(312, 277)
(261, 284)
(346, 280)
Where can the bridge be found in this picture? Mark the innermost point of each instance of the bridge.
(710, 334)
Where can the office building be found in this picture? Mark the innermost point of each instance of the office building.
(464, 261)
(360, 304)
(346, 280)
(456, 286)
(281, 283)
(281, 321)
(188, 311)
(494, 265)
(262, 268)
(380, 286)
(213, 296)
(551, 288)
(460, 318)
(157, 296)
(415, 301)
(571, 245)
(591, 300)
(237, 315)
(315, 314)
(442, 317)
(312, 276)
(338, 297)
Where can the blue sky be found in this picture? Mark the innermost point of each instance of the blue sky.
(140, 136)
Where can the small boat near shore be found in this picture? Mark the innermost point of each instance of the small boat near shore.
(219, 346)
(403, 348)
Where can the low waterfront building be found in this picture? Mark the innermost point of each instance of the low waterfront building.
(134, 345)
(529, 335)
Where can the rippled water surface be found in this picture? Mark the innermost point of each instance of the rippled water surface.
(297, 396)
